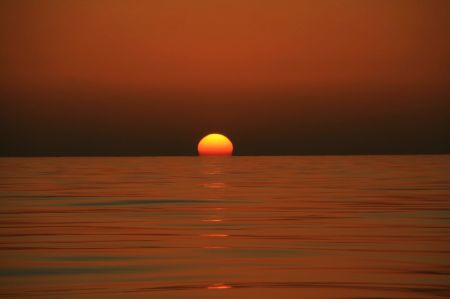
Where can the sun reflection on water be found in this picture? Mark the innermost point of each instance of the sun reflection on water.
(219, 286)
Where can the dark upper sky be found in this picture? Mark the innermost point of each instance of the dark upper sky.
(277, 77)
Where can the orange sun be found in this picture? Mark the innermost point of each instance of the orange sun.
(215, 145)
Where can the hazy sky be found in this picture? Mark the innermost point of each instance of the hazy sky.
(278, 77)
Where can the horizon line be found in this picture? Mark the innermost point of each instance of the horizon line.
(196, 155)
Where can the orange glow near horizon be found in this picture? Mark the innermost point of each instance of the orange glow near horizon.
(215, 145)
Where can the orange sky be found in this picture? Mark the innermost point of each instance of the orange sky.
(210, 45)
(162, 74)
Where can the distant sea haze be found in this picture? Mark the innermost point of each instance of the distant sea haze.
(225, 227)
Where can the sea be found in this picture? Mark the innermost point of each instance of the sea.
(356, 227)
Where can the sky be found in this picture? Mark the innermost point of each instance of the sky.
(280, 77)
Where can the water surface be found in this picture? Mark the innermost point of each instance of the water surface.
(239, 227)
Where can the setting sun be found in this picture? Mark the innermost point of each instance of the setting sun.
(215, 145)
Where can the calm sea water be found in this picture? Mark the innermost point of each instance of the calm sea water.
(239, 227)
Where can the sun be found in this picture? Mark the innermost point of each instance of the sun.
(215, 145)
